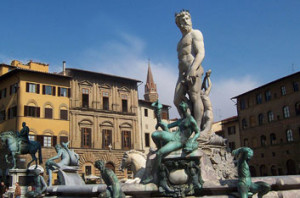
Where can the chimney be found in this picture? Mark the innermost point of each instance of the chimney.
(64, 67)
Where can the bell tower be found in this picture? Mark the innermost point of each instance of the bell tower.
(151, 94)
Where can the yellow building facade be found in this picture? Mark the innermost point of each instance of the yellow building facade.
(37, 97)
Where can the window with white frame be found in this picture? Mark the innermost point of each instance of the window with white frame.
(268, 95)
(31, 137)
(289, 135)
(286, 112)
(283, 91)
(270, 116)
(32, 88)
(47, 141)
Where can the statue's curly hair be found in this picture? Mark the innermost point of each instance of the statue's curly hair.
(181, 14)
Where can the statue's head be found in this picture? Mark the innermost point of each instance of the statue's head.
(184, 106)
(100, 165)
(244, 153)
(183, 20)
(23, 124)
(249, 153)
(157, 105)
(36, 172)
(57, 147)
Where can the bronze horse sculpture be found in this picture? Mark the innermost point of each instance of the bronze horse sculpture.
(10, 140)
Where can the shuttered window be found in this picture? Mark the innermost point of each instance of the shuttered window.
(33, 88)
(46, 140)
(63, 139)
(2, 115)
(63, 114)
(86, 137)
(126, 140)
(106, 138)
(63, 92)
(30, 111)
(48, 113)
(12, 112)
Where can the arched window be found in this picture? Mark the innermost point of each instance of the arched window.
(246, 143)
(270, 116)
(286, 112)
(297, 108)
(272, 138)
(291, 167)
(244, 123)
(48, 111)
(252, 171)
(260, 119)
(110, 165)
(63, 111)
(263, 170)
(263, 140)
(254, 142)
(273, 171)
(289, 135)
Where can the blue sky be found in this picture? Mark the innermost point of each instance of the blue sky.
(247, 43)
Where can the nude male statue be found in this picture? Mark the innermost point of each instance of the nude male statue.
(191, 53)
(68, 158)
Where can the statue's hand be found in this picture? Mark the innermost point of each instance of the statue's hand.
(156, 126)
(190, 146)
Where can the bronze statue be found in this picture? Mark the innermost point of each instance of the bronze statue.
(23, 137)
(68, 158)
(245, 186)
(114, 189)
(167, 141)
(19, 144)
(40, 185)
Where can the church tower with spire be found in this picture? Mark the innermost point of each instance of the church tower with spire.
(151, 94)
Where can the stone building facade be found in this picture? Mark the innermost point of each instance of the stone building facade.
(230, 130)
(269, 119)
(103, 118)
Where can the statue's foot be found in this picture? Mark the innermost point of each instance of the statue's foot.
(147, 180)
(166, 187)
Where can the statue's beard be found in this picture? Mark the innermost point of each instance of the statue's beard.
(186, 27)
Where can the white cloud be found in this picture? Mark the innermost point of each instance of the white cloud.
(222, 92)
(126, 58)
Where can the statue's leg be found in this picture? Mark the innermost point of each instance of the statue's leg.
(33, 159)
(50, 177)
(243, 190)
(168, 148)
(260, 187)
(179, 95)
(160, 137)
(14, 160)
(198, 108)
(6, 158)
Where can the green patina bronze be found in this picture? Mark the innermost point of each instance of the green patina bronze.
(113, 189)
(40, 185)
(245, 186)
(167, 142)
(19, 144)
(68, 158)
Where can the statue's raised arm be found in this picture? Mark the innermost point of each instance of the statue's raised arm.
(157, 111)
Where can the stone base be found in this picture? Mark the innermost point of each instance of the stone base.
(69, 178)
(21, 176)
(281, 187)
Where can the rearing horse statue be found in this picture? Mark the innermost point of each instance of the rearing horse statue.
(137, 161)
(10, 140)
